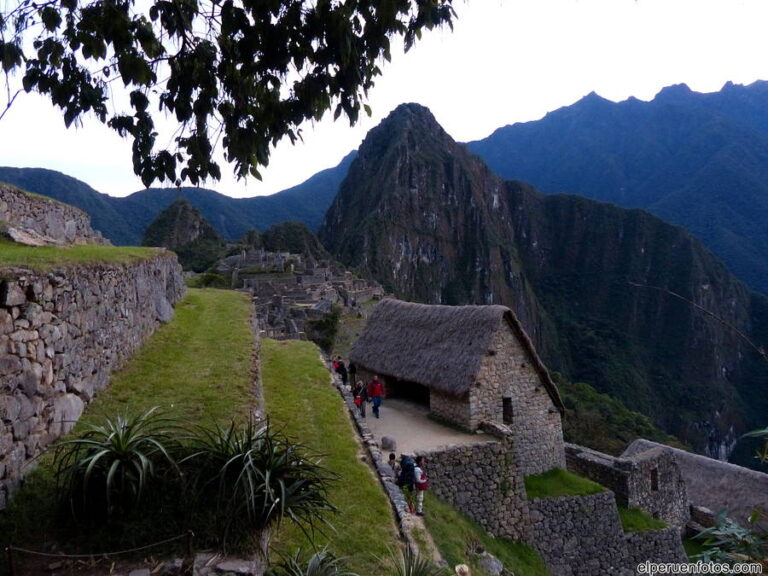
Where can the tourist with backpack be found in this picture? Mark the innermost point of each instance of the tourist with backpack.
(421, 483)
(407, 478)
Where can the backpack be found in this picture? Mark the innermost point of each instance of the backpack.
(407, 473)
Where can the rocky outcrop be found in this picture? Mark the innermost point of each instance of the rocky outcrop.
(37, 220)
(62, 333)
(601, 290)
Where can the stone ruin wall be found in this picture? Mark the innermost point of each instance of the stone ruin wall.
(713, 484)
(482, 481)
(61, 335)
(650, 480)
(536, 424)
(44, 217)
(583, 536)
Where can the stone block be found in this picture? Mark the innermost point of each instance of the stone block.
(11, 294)
(6, 322)
(9, 364)
(67, 410)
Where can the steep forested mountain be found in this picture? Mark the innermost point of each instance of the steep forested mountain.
(182, 228)
(697, 160)
(124, 220)
(590, 281)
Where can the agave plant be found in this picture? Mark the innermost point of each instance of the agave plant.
(408, 562)
(321, 563)
(107, 470)
(255, 477)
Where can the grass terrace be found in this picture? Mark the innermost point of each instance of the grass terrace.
(44, 258)
(454, 534)
(558, 482)
(196, 369)
(636, 520)
(301, 400)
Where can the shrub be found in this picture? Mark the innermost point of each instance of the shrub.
(105, 472)
(255, 477)
(410, 563)
(321, 563)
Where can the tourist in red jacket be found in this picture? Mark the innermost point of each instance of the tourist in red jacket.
(376, 392)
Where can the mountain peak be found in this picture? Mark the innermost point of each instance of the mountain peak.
(674, 93)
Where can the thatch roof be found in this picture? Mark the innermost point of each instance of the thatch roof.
(439, 347)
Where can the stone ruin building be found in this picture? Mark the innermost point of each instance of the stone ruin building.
(289, 290)
(475, 367)
(472, 365)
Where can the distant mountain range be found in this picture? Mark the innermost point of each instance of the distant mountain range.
(591, 282)
(697, 160)
(124, 220)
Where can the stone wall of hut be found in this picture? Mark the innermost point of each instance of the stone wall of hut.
(61, 335)
(507, 376)
(454, 409)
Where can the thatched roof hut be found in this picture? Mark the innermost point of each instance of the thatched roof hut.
(440, 347)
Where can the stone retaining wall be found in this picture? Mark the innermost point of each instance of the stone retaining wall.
(654, 544)
(61, 335)
(46, 218)
(579, 535)
(482, 481)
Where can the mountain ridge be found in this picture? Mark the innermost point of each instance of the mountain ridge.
(123, 220)
(433, 223)
(696, 160)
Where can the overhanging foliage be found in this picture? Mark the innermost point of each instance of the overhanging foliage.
(245, 73)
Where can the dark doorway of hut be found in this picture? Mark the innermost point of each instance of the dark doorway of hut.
(406, 390)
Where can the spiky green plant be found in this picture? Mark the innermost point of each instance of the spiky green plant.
(256, 477)
(321, 563)
(106, 471)
(408, 562)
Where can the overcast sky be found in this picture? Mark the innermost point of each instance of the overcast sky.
(506, 61)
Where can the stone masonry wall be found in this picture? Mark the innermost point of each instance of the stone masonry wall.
(650, 480)
(535, 421)
(652, 545)
(46, 217)
(482, 482)
(579, 535)
(61, 335)
(449, 407)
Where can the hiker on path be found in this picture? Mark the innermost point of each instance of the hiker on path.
(341, 370)
(361, 397)
(376, 392)
(421, 483)
(406, 479)
(395, 465)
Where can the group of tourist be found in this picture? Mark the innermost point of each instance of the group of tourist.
(410, 474)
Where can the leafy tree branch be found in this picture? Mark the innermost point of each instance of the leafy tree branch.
(242, 74)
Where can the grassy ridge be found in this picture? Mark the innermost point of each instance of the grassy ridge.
(196, 368)
(46, 257)
(301, 400)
